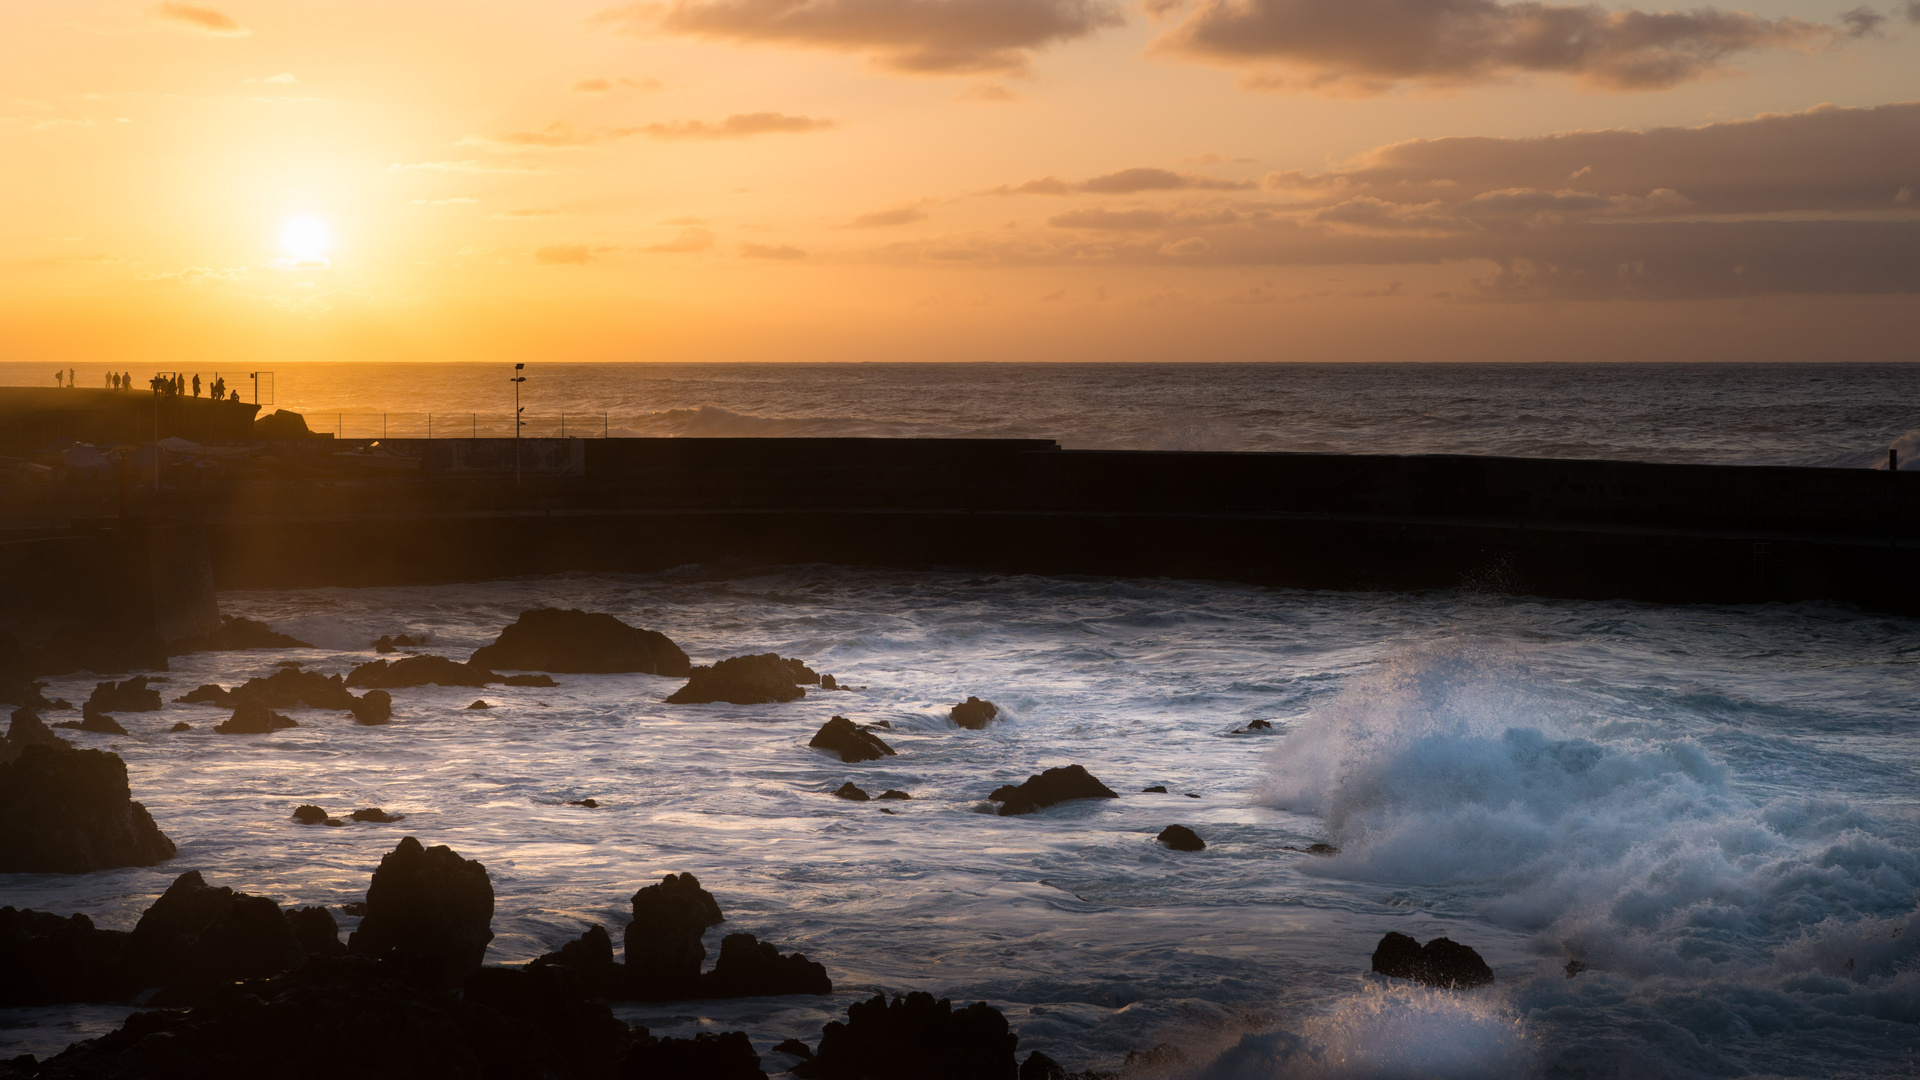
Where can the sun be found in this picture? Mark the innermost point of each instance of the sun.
(305, 237)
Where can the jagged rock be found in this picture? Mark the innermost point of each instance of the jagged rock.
(1181, 838)
(707, 1056)
(1039, 1066)
(316, 931)
(373, 708)
(886, 724)
(309, 814)
(974, 714)
(181, 726)
(795, 1047)
(129, 696)
(197, 936)
(69, 811)
(849, 791)
(237, 633)
(418, 671)
(741, 680)
(914, 1038)
(355, 908)
(1442, 962)
(480, 704)
(1047, 788)
(663, 947)
(572, 641)
(591, 804)
(396, 642)
(291, 688)
(207, 694)
(376, 815)
(530, 680)
(840, 736)
(587, 962)
(48, 960)
(748, 967)
(427, 908)
(1157, 789)
(97, 722)
(1324, 850)
(1255, 725)
(27, 729)
(251, 717)
(892, 793)
(828, 682)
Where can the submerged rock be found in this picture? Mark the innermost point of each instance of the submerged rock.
(480, 704)
(529, 680)
(892, 793)
(911, 1038)
(740, 680)
(748, 967)
(373, 708)
(97, 722)
(309, 814)
(840, 736)
(1181, 838)
(207, 694)
(375, 815)
(181, 726)
(1442, 962)
(129, 696)
(849, 791)
(394, 643)
(974, 714)
(572, 641)
(428, 908)
(237, 633)
(591, 804)
(1157, 789)
(707, 1056)
(1048, 788)
(251, 717)
(663, 947)
(69, 811)
(418, 671)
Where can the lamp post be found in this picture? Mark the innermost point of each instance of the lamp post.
(517, 422)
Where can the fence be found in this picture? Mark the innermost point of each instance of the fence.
(373, 425)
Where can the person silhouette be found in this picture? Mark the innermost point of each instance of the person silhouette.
(126, 380)
(57, 376)
(196, 384)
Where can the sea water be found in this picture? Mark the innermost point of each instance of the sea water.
(1714, 810)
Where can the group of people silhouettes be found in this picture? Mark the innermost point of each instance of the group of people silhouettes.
(170, 385)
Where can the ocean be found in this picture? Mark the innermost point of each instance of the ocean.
(1711, 813)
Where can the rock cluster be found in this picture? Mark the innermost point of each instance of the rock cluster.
(915, 1036)
(572, 641)
(745, 680)
(236, 634)
(418, 671)
(664, 952)
(429, 910)
(1442, 962)
(974, 714)
(69, 811)
(394, 643)
(1181, 838)
(1048, 788)
(252, 717)
(97, 722)
(27, 729)
(841, 736)
(132, 695)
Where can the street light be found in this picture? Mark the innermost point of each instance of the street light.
(517, 422)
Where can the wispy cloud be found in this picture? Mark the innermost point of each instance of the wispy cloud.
(466, 167)
(691, 239)
(525, 214)
(1125, 182)
(771, 251)
(198, 275)
(882, 219)
(608, 86)
(563, 255)
(199, 18)
(561, 135)
(457, 200)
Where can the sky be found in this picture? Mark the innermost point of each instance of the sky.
(244, 181)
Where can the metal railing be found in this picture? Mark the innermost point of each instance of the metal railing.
(397, 425)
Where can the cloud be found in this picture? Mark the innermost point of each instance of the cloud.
(561, 135)
(1369, 46)
(199, 18)
(992, 93)
(1134, 220)
(881, 219)
(771, 251)
(738, 126)
(199, 275)
(1126, 182)
(524, 214)
(608, 86)
(1862, 22)
(563, 255)
(691, 239)
(926, 37)
(466, 166)
(1913, 11)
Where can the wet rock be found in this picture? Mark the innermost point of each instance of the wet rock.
(97, 722)
(663, 948)
(1048, 788)
(316, 931)
(1039, 1066)
(27, 729)
(707, 1056)
(480, 704)
(309, 814)
(740, 680)
(197, 936)
(1254, 727)
(207, 694)
(427, 908)
(1157, 789)
(849, 791)
(394, 643)
(912, 1038)
(828, 682)
(974, 714)
(1322, 850)
(572, 641)
(840, 736)
(129, 696)
(236, 633)
(590, 804)
(586, 962)
(748, 967)
(418, 671)
(355, 908)
(69, 811)
(46, 959)
(1181, 838)
(893, 793)
(181, 726)
(795, 1047)
(373, 708)
(251, 717)
(884, 724)
(1442, 962)
(291, 688)
(530, 680)
(375, 815)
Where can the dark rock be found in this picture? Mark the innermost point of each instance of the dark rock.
(27, 729)
(207, 694)
(373, 708)
(587, 963)
(707, 1056)
(1442, 962)
(1181, 838)
(376, 815)
(1039, 1066)
(886, 724)
(893, 793)
(68, 811)
(802, 674)
(251, 717)
(291, 688)
(1157, 789)
(748, 967)
(97, 722)
(181, 726)
(849, 791)
(663, 947)
(884, 810)
(740, 680)
(282, 424)
(397, 642)
(236, 633)
(1323, 850)
(590, 804)
(316, 931)
(309, 814)
(974, 714)
(130, 696)
(828, 682)
(197, 936)
(581, 642)
(795, 1047)
(530, 680)
(480, 704)
(840, 736)
(1190, 795)
(49, 960)
(427, 908)
(1260, 725)
(914, 1038)
(418, 671)
(1048, 788)
(355, 908)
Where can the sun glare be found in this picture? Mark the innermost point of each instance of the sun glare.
(305, 238)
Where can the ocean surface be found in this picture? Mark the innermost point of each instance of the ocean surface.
(1844, 415)
(1714, 809)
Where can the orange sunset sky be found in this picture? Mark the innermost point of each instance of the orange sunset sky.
(958, 180)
